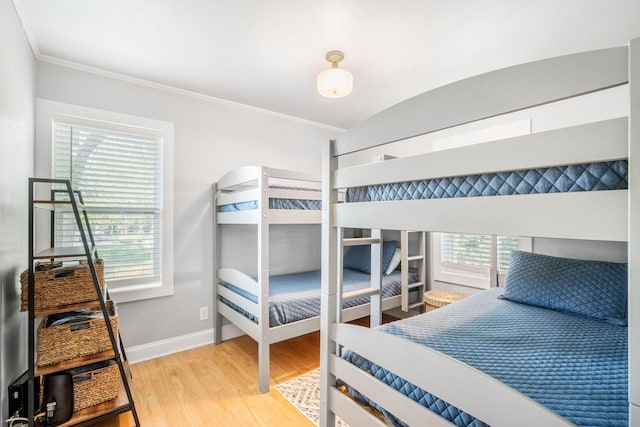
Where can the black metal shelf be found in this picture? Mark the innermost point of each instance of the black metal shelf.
(64, 252)
(73, 203)
(59, 205)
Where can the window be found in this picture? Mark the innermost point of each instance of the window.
(122, 172)
(476, 260)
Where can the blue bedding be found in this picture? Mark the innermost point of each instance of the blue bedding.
(573, 365)
(275, 203)
(561, 179)
(294, 297)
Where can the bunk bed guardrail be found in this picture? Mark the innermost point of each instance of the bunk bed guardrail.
(588, 215)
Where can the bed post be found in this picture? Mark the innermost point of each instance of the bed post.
(634, 233)
(340, 274)
(217, 317)
(328, 282)
(263, 280)
(376, 279)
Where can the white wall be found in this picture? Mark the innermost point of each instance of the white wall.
(17, 93)
(210, 139)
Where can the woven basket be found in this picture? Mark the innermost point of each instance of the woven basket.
(57, 285)
(94, 384)
(69, 341)
(442, 298)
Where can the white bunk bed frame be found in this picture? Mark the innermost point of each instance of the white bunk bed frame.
(251, 183)
(598, 215)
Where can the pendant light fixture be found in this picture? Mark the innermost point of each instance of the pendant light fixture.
(335, 82)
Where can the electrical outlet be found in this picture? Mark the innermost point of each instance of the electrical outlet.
(204, 313)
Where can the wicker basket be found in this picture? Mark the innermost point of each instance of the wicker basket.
(81, 338)
(94, 384)
(57, 285)
(441, 298)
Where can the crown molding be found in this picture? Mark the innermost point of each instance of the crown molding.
(152, 84)
(176, 90)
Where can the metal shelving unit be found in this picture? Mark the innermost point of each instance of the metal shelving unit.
(73, 202)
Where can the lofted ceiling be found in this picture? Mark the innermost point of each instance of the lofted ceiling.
(267, 54)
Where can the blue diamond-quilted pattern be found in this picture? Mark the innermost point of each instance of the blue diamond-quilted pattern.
(295, 204)
(573, 365)
(558, 179)
(277, 203)
(587, 288)
(296, 296)
(359, 257)
(274, 204)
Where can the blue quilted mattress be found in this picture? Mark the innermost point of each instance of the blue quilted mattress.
(294, 297)
(561, 179)
(573, 365)
(275, 203)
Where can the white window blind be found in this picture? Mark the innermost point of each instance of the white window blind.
(120, 177)
(469, 259)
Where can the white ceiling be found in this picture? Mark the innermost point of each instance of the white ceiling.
(267, 53)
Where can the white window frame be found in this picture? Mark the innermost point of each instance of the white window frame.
(49, 111)
(472, 280)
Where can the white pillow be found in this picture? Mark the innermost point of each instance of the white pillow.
(394, 262)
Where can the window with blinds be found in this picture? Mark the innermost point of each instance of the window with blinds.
(476, 260)
(120, 176)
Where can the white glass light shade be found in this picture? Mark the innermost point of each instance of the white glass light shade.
(335, 82)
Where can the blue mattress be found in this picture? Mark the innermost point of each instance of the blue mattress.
(294, 297)
(275, 203)
(575, 366)
(561, 179)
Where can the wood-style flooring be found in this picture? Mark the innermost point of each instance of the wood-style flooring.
(216, 385)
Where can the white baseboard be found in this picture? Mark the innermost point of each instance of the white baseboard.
(152, 350)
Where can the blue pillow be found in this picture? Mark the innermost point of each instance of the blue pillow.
(592, 289)
(359, 257)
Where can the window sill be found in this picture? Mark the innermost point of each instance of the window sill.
(462, 280)
(455, 287)
(131, 293)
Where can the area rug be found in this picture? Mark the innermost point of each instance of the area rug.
(304, 393)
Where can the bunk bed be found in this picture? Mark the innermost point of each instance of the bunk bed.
(273, 308)
(387, 370)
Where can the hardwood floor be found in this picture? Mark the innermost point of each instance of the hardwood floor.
(216, 385)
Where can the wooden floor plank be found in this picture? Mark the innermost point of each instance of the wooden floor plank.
(216, 385)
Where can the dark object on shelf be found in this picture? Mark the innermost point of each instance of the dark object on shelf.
(18, 395)
(82, 315)
(83, 336)
(58, 399)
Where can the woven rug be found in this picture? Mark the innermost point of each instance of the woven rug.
(304, 393)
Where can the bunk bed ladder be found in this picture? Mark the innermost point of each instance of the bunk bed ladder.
(375, 290)
(406, 259)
